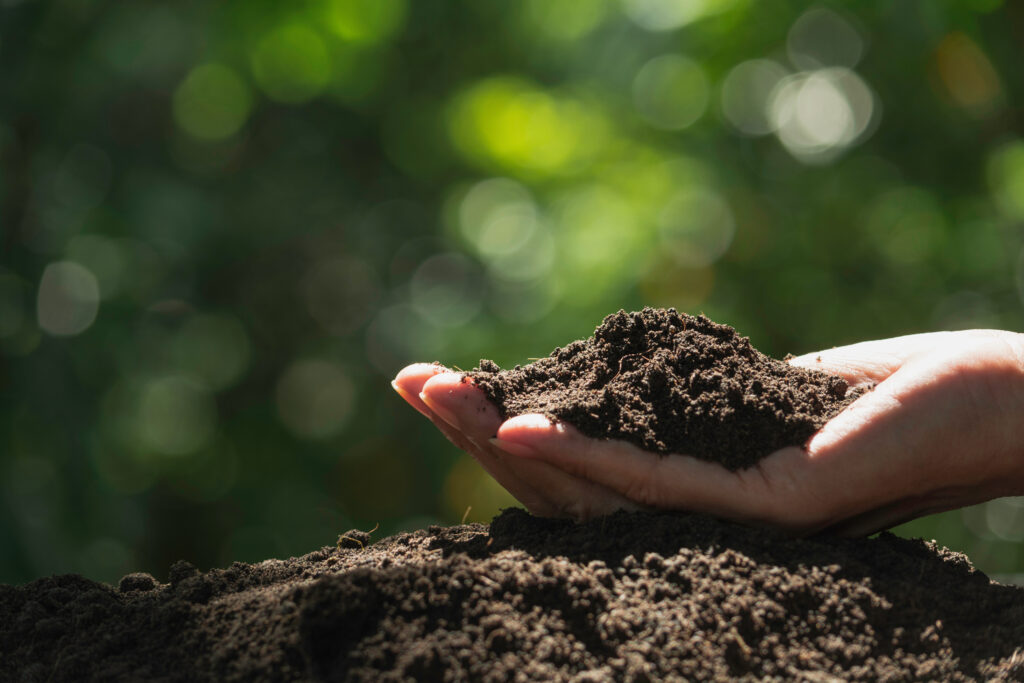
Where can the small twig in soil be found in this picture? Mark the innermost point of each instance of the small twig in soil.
(466, 514)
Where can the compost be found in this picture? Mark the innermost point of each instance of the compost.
(633, 596)
(672, 383)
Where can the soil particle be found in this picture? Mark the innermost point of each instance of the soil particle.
(633, 596)
(354, 539)
(139, 581)
(180, 571)
(672, 383)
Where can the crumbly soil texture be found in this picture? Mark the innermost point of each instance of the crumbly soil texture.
(630, 597)
(672, 383)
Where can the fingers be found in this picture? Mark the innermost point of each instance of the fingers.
(462, 405)
(410, 380)
(462, 412)
(410, 383)
(873, 361)
(554, 492)
(673, 482)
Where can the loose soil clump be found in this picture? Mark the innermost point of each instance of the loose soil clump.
(634, 596)
(672, 383)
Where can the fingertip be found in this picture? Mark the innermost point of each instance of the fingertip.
(400, 390)
(441, 385)
(538, 432)
(410, 380)
(460, 403)
(418, 372)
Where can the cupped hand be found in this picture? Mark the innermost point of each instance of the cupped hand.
(463, 414)
(942, 428)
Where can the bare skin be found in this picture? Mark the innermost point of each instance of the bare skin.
(943, 428)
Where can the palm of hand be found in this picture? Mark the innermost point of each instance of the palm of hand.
(944, 427)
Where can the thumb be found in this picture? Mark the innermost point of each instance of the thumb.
(872, 361)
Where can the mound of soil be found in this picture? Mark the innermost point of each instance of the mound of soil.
(634, 596)
(672, 383)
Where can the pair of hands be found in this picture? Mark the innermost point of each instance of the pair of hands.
(943, 428)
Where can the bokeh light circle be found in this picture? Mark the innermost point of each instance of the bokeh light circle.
(497, 216)
(746, 93)
(817, 114)
(1004, 518)
(671, 92)
(365, 21)
(212, 103)
(68, 300)
(696, 227)
(176, 415)
(564, 20)
(500, 220)
(291, 64)
(1006, 177)
(315, 398)
(821, 37)
(446, 290)
(668, 15)
(510, 124)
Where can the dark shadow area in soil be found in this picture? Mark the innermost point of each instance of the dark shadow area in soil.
(636, 596)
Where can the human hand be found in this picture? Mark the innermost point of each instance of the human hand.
(943, 428)
(464, 415)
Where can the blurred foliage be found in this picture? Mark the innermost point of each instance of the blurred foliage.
(227, 225)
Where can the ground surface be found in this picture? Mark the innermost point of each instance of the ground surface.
(629, 597)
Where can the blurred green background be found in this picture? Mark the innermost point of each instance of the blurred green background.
(227, 225)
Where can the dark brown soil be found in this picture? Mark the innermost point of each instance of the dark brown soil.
(628, 597)
(672, 383)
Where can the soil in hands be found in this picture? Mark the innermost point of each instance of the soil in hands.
(672, 383)
(634, 596)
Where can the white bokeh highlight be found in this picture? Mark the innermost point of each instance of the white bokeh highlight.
(68, 299)
(818, 114)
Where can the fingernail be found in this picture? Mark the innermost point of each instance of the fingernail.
(439, 410)
(517, 449)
